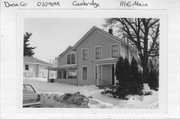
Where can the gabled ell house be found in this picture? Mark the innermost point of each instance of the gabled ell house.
(92, 60)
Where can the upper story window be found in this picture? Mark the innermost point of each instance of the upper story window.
(98, 53)
(114, 51)
(85, 54)
(68, 59)
(71, 59)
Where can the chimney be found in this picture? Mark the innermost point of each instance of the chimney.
(111, 31)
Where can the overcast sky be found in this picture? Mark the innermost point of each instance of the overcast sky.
(52, 36)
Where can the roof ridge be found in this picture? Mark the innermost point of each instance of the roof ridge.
(89, 32)
(35, 60)
(85, 35)
(113, 36)
(64, 52)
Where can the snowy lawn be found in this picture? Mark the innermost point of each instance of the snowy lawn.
(98, 100)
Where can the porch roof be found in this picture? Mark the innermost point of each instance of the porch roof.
(107, 61)
(63, 67)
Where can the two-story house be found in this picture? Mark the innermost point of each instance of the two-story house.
(93, 58)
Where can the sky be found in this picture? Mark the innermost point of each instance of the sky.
(51, 36)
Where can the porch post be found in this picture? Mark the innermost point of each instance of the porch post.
(48, 75)
(97, 75)
(114, 73)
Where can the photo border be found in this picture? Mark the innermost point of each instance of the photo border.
(85, 14)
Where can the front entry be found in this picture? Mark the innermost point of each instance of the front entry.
(104, 74)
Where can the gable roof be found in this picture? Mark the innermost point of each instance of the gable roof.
(63, 53)
(32, 60)
(92, 30)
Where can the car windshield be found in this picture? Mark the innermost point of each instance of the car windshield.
(28, 89)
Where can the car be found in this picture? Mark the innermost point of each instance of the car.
(31, 98)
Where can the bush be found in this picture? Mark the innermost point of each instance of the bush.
(153, 77)
(75, 98)
(129, 79)
(115, 91)
(153, 80)
(136, 84)
(122, 76)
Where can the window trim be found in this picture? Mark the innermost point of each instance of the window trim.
(83, 53)
(69, 59)
(83, 73)
(111, 50)
(70, 54)
(95, 52)
(74, 58)
(72, 70)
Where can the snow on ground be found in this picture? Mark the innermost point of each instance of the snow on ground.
(35, 79)
(105, 101)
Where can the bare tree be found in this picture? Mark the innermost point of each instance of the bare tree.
(143, 33)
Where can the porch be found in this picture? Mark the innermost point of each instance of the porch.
(105, 71)
(65, 74)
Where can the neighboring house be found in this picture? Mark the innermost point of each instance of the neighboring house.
(92, 60)
(35, 68)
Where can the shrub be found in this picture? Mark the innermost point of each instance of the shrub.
(153, 80)
(75, 98)
(129, 79)
(121, 75)
(136, 84)
(153, 77)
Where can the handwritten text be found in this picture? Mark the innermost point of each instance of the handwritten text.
(85, 3)
(131, 4)
(48, 4)
(8, 4)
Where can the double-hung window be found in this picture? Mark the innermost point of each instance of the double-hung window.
(62, 74)
(84, 73)
(98, 53)
(71, 59)
(85, 54)
(114, 51)
(68, 59)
